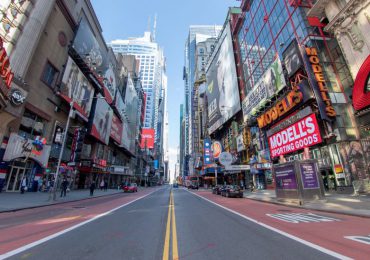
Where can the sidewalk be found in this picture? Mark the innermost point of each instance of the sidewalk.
(11, 201)
(333, 203)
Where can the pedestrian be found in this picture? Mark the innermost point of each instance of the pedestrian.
(102, 185)
(23, 185)
(105, 185)
(64, 187)
(92, 188)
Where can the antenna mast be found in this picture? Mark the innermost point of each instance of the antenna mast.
(154, 27)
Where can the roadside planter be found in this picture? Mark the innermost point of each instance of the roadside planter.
(298, 181)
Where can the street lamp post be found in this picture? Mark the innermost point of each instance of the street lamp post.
(70, 114)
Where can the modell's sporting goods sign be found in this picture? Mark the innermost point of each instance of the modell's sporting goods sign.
(304, 133)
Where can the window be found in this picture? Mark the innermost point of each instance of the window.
(32, 125)
(49, 75)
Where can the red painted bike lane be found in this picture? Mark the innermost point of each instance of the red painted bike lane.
(34, 229)
(329, 233)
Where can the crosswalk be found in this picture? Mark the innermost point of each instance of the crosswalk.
(302, 217)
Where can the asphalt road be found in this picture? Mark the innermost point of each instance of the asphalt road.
(138, 231)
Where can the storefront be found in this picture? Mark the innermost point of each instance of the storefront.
(23, 158)
(91, 170)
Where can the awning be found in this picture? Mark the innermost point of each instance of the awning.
(66, 167)
(360, 94)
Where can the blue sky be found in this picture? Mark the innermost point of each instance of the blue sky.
(121, 19)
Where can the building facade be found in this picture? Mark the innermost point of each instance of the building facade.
(58, 78)
(197, 34)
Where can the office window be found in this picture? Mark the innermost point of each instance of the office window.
(49, 75)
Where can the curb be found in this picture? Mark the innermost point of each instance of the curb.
(57, 203)
(317, 209)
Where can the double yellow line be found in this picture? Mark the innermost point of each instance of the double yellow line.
(171, 219)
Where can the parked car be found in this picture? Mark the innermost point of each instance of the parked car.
(232, 191)
(131, 187)
(217, 189)
(193, 186)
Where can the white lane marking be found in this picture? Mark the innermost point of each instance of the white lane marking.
(361, 239)
(302, 241)
(301, 217)
(45, 239)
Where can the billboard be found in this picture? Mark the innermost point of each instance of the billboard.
(125, 141)
(102, 121)
(147, 138)
(271, 82)
(75, 85)
(302, 134)
(132, 108)
(97, 57)
(116, 129)
(292, 58)
(120, 105)
(110, 79)
(222, 84)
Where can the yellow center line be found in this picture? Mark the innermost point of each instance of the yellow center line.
(171, 221)
(175, 252)
(166, 248)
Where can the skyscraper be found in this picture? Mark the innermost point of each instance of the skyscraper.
(197, 33)
(152, 71)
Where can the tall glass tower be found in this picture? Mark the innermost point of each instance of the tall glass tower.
(202, 32)
(152, 71)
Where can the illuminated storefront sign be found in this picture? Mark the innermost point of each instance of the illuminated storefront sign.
(304, 133)
(280, 108)
(325, 106)
(5, 71)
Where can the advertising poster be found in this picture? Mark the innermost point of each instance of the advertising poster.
(240, 143)
(99, 59)
(120, 105)
(131, 108)
(116, 129)
(304, 133)
(110, 79)
(285, 177)
(102, 122)
(292, 59)
(222, 86)
(75, 85)
(271, 82)
(125, 141)
(147, 138)
(309, 176)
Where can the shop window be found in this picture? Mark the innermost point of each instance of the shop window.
(32, 125)
(50, 74)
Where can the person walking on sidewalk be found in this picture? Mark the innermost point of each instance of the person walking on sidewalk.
(23, 185)
(105, 185)
(102, 184)
(92, 188)
(64, 187)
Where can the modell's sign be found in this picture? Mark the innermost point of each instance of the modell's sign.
(304, 133)
(5, 71)
(326, 108)
(282, 107)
